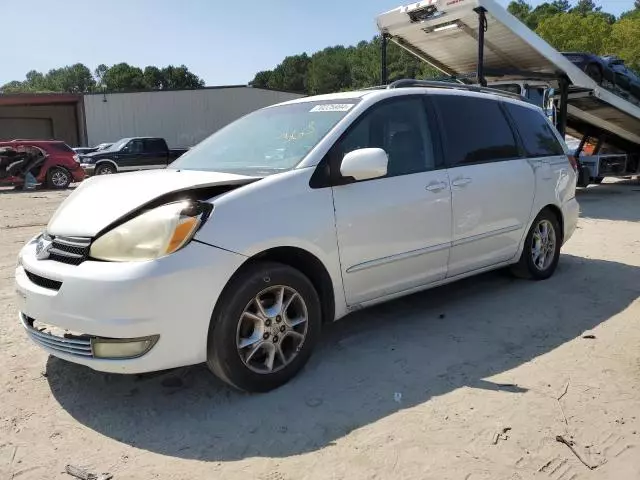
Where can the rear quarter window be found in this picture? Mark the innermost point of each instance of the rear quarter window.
(537, 137)
(60, 147)
(475, 130)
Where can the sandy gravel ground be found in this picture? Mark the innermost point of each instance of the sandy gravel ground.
(461, 382)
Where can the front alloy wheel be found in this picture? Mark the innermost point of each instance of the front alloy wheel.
(272, 329)
(264, 327)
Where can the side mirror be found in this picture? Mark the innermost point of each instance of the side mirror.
(365, 164)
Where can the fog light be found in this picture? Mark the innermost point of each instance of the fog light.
(122, 348)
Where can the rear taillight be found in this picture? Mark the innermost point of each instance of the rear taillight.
(573, 162)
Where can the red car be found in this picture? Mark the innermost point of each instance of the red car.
(52, 163)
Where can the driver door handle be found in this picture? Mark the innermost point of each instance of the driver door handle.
(461, 182)
(436, 187)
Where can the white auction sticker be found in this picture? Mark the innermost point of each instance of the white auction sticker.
(332, 107)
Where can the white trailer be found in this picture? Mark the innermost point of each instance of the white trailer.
(478, 40)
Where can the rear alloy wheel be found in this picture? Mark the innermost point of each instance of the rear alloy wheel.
(265, 327)
(58, 178)
(541, 251)
(105, 169)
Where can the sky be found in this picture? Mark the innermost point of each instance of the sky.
(222, 42)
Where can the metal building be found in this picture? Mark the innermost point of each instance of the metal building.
(42, 116)
(182, 117)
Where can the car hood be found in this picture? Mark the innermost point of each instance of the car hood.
(102, 200)
(98, 155)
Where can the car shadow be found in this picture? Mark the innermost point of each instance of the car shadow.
(20, 191)
(616, 200)
(368, 366)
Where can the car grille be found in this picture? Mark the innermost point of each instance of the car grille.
(71, 250)
(44, 282)
(70, 344)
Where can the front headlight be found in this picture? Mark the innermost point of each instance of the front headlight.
(153, 234)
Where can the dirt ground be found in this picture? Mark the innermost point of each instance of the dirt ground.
(470, 381)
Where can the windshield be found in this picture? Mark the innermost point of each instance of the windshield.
(118, 145)
(267, 141)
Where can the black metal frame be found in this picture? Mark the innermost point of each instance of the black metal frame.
(408, 82)
(481, 73)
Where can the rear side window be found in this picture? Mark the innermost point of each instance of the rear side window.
(475, 130)
(154, 145)
(61, 147)
(537, 137)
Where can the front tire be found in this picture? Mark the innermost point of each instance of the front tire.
(58, 178)
(264, 327)
(541, 251)
(105, 169)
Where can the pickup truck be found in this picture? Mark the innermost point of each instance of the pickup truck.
(129, 154)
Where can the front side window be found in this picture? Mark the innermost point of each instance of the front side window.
(537, 137)
(135, 146)
(268, 141)
(400, 127)
(474, 130)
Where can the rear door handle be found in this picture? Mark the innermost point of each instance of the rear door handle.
(436, 187)
(461, 182)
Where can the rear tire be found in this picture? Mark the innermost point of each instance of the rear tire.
(597, 180)
(58, 178)
(257, 347)
(540, 257)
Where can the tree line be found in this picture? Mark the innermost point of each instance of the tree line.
(116, 78)
(580, 27)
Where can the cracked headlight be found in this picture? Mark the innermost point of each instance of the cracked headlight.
(152, 234)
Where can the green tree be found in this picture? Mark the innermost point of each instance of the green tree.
(122, 76)
(261, 80)
(520, 9)
(576, 32)
(584, 7)
(329, 71)
(153, 78)
(562, 5)
(624, 41)
(74, 79)
(13, 87)
(176, 78)
(291, 74)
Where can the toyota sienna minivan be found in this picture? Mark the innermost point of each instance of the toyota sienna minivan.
(291, 217)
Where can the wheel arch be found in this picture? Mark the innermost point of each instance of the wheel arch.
(308, 264)
(107, 160)
(305, 262)
(558, 214)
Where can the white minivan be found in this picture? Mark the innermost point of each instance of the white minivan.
(291, 217)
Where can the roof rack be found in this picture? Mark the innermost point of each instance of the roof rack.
(404, 83)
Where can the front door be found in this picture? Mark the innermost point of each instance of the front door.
(492, 184)
(129, 158)
(393, 232)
